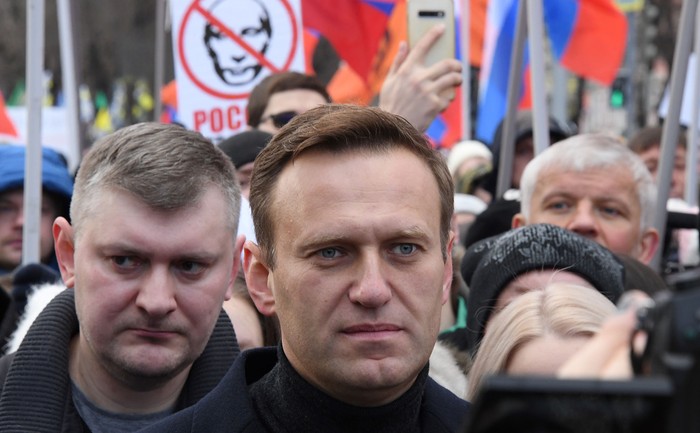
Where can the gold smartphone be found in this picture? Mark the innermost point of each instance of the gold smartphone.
(424, 15)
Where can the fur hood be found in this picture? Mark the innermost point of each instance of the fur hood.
(36, 301)
(445, 370)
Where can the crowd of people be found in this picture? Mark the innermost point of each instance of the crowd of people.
(326, 270)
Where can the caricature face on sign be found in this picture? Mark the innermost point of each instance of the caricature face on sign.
(234, 64)
(223, 49)
(226, 47)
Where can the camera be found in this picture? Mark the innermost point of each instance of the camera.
(673, 348)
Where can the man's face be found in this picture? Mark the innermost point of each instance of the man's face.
(234, 64)
(359, 276)
(297, 101)
(149, 284)
(652, 157)
(12, 223)
(600, 204)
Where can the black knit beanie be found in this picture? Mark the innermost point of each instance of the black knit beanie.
(243, 147)
(489, 265)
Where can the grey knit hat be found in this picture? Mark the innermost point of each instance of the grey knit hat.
(489, 265)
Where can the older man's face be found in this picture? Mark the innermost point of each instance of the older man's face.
(600, 204)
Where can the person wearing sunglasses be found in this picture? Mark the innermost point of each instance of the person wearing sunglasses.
(281, 96)
(280, 119)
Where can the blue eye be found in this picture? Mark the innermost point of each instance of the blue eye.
(610, 211)
(329, 253)
(125, 262)
(190, 267)
(559, 206)
(404, 249)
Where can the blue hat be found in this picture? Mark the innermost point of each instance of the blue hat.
(55, 177)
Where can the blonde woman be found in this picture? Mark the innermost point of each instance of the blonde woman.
(538, 332)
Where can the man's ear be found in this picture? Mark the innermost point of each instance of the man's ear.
(258, 277)
(64, 245)
(519, 220)
(448, 275)
(648, 244)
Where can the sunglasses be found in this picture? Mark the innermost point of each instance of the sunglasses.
(280, 119)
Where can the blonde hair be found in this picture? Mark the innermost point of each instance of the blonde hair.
(560, 309)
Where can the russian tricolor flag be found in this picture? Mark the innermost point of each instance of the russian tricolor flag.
(587, 37)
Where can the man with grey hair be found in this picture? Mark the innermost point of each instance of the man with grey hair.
(149, 257)
(592, 184)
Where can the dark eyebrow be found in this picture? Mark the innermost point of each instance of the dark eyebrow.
(320, 240)
(131, 250)
(412, 232)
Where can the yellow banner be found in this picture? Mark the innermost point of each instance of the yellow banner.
(630, 5)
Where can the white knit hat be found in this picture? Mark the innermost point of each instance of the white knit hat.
(466, 149)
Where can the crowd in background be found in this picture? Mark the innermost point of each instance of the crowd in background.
(326, 270)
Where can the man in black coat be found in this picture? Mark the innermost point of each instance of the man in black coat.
(352, 212)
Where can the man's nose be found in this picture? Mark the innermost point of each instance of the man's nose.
(157, 293)
(372, 289)
(584, 221)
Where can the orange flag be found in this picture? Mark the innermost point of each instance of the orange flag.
(7, 127)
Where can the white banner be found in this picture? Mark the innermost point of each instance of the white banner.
(688, 92)
(54, 132)
(222, 49)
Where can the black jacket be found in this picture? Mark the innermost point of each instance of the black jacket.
(229, 408)
(35, 393)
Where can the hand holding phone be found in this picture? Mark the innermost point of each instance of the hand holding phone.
(421, 82)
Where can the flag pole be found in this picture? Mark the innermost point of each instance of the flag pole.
(669, 135)
(691, 164)
(32, 166)
(559, 93)
(505, 165)
(70, 86)
(466, 70)
(159, 58)
(540, 117)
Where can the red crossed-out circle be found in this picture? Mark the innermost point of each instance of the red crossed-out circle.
(197, 7)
